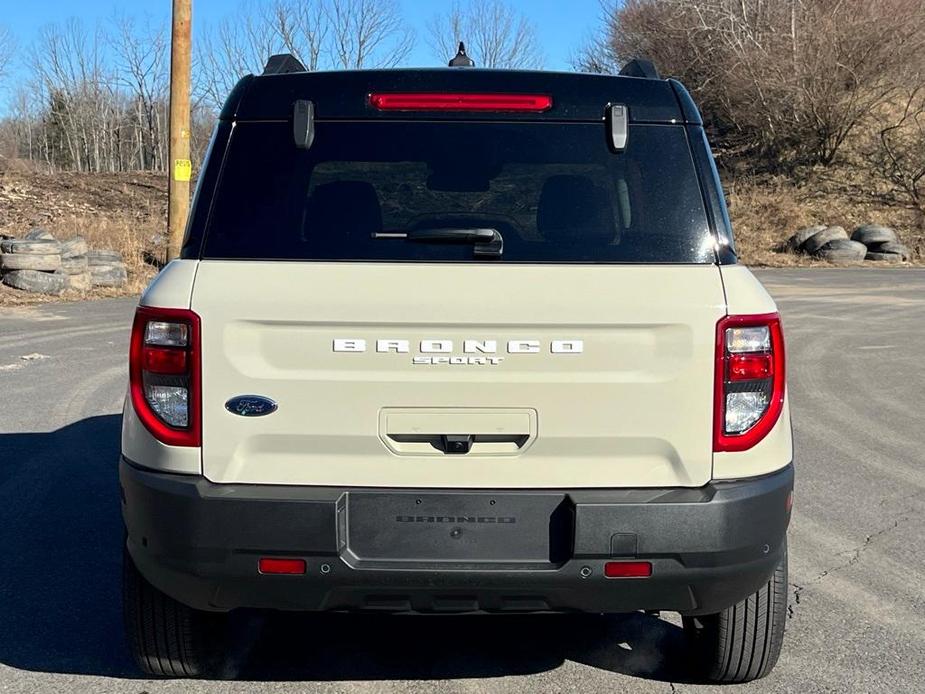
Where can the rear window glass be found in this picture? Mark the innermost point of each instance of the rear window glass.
(554, 191)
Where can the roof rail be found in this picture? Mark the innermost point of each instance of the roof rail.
(282, 63)
(640, 67)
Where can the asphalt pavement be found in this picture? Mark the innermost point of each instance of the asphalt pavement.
(856, 359)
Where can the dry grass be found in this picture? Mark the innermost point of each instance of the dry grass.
(127, 213)
(122, 212)
(766, 210)
(139, 239)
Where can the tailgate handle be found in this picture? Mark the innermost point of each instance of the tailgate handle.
(460, 444)
(445, 432)
(456, 443)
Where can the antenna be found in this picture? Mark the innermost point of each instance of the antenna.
(461, 59)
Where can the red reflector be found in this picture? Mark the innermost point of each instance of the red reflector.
(534, 103)
(272, 565)
(162, 360)
(628, 569)
(750, 367)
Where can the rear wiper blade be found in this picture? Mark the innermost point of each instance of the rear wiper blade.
(487, 243)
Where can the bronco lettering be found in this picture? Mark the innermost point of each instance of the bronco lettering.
(443, 346)
(455, 519)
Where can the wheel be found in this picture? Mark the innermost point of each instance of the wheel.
(819, 239)
(884, 257)
(891, 247)
(743, 642)
(35, 281)
(167, 638)
(74, 248)
(842, 249)
(873, 233)
(795, 242)
(30, 261)
(113, 275)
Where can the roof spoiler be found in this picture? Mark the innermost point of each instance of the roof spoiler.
(282, 63)
(640, 67)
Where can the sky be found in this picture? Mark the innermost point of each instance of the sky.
(562, 25)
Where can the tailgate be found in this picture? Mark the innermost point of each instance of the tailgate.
(459, 375)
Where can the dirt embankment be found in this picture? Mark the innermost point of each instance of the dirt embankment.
(128, 212)
(123, 212)
(766, 210)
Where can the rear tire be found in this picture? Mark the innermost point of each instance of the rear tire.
(743, 642)
(167, 638)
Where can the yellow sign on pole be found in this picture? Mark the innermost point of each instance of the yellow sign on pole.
(182, 169)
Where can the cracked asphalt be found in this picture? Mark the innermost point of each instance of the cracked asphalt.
(856, 347)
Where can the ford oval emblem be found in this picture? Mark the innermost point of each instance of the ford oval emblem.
(251, 406)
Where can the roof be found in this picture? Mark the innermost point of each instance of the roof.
(345, 94)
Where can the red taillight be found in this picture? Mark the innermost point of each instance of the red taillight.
(628, 569)
(432, 101)
(750, 367)
(750, 378)
(165, 360)
(275, 565)
(164, 374)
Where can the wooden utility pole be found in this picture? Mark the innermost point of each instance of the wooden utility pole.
(179, 161)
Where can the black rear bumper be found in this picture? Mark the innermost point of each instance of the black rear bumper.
(454, 551)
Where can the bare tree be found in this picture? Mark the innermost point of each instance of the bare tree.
(97, 97)
(142, 55)
(238, 45)
(900, 155)
(7, 49)
(367, 33)
(788, 79)
(496, 35)
(302, 28)
(22, 128)
(346, 34)
(598, 53)
(67, 62)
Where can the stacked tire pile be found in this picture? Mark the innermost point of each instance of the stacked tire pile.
(40, 263)
(74, 263)
(868, 242)
(106, 268)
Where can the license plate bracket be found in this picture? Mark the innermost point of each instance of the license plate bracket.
(467, 527)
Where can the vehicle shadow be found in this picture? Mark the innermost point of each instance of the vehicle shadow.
(60, 535)
(60, 602)
(337, 647)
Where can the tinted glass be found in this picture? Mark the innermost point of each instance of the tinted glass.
(554, 191)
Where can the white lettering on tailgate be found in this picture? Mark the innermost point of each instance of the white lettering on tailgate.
(447, 347)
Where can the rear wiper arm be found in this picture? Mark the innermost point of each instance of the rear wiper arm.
(487, 243)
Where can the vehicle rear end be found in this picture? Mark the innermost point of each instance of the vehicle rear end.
(458, 341)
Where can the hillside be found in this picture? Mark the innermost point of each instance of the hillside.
(127, 212)
(767, 209)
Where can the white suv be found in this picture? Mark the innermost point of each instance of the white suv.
(457, 340)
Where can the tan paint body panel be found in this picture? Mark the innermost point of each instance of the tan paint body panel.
(140, 447)
(633, 409)
(745, 294)
(171, 288)
(173, 285)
